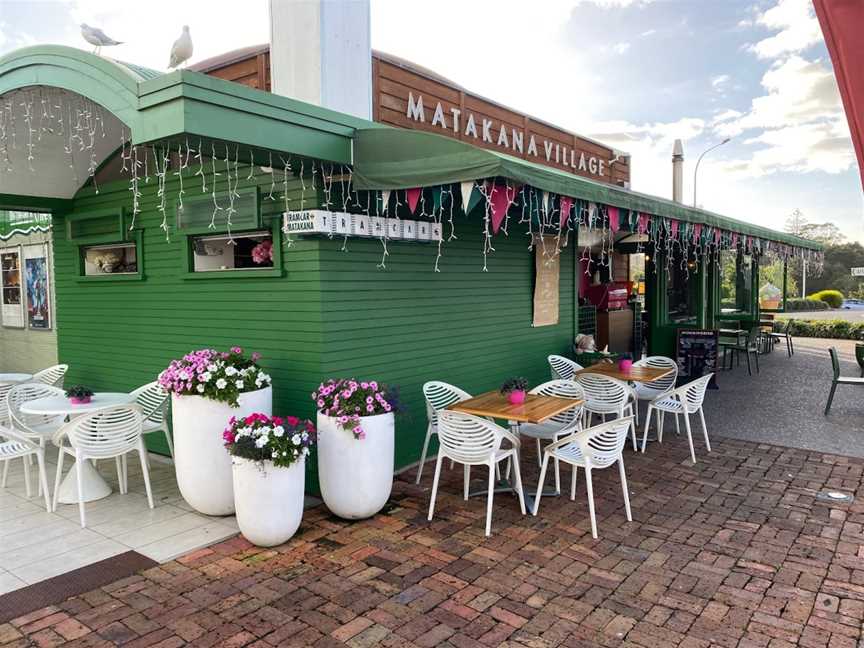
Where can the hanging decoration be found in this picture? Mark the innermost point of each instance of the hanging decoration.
(412, 196)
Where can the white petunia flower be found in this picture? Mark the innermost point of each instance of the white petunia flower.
(305, 452)
(305, 436)
(230, 371)
(200, 389)
(221, 383)
(205, 377)
(239, 384)
(278, 430)
(260, 442)
(211, 367)
(295, 439)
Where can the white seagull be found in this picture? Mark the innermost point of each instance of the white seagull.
(181, 51)
(97, 38)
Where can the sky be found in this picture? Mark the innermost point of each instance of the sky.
(634, 74)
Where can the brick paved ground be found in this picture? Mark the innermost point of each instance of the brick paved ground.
(735, 551)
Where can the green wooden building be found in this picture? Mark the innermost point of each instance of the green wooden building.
(165, 190)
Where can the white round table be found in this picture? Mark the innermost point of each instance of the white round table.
(93, 486)
(13, 378)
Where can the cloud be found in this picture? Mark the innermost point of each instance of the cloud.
(796, 25)
(720, 81)
(621, 48)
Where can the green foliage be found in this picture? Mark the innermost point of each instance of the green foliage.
(834, 298)
(834, 329)
(799, 304)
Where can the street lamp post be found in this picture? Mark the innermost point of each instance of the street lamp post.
(696, 170)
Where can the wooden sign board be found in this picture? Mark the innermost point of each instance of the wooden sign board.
(696, 354)
(547, 268)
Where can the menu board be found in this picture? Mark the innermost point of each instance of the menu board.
(37, 288)
(11, 303)
(547, 268)
(696, 354)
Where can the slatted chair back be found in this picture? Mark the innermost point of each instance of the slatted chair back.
(661, 385)
(563, 389)
(562, 368)
(106, 432)
(440, 395)
(153, 401)
(753, 338)
(693, 393)
(603, 394)
(605, 442)
(835, 361)
(24, 392)
(52, 375)
(4, 403)
(466, 438)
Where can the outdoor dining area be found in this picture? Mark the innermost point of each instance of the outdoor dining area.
(559, 416)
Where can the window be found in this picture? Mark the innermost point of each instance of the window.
(246, 251)
(109, 259)
(682, 292)
(736, 282)
(771, 273)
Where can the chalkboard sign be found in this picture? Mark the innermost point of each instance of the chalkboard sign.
(696, 355)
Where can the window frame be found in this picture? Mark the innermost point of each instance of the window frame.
(188, 261)
(135, 238)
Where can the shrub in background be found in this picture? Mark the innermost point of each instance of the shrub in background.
(836, 329)
(800, 304)
(834, 298)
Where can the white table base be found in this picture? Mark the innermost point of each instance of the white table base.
(94, 487)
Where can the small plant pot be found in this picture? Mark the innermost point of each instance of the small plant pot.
(516, 397)
(625, 365)
(80, 400)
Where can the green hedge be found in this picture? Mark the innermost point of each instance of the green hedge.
(836, 329)
(799, 304)
(834, 298)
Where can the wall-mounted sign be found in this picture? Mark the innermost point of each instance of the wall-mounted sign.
(319, 221)
(37, 287)
(11, 298)
(858, 272)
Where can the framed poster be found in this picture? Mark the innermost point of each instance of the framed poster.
(696, 355)
(37, 287)
(11, 299)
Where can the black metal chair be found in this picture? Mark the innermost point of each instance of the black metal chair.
(777, 336)
(748, 346)
(838, 379)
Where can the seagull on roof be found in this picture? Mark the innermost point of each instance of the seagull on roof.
(181, 51)
(97, 38)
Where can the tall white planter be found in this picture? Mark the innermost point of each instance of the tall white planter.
(269, 500)
(356, 475)
(202, 464)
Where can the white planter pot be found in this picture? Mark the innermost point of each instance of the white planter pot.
(356, 475)
(201, 461)
(269, 500)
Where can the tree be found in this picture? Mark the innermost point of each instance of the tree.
(795, 222)
(836, 273)
(828, 234)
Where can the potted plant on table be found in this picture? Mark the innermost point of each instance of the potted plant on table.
(625, 362)
(79, 395)
(268, 456)
(515, 389)
(207, 388)
(355, 445)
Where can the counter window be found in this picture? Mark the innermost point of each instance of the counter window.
(111, 259)
(736, 282)
(246, 251)
(682, 293)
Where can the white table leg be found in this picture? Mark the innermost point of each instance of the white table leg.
(95, 488)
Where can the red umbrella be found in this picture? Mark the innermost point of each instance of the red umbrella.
(842, 24)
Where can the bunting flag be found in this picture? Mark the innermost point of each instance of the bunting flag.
(385, 199)
(437, 199)
(466, 189)
(566, 206)
(674, 229)
(717, 235)
(413, 197)
(643, 223)
(614, 216)
(697, 232)
(500, 199)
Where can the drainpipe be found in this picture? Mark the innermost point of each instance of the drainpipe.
(678, 171)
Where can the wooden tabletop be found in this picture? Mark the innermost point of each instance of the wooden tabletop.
(535, 409)
(636, 374)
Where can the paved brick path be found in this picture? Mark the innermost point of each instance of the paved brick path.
(736, 551)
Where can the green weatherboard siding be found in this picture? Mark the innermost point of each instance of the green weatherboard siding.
(332, 313)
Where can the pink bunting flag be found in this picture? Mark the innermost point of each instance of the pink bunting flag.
(717, 234)
(643, 223)
(674, 228)
(500, 199)
(734, 239)
(614, 216)
(697, 232)
(413, 196)
(566, 205)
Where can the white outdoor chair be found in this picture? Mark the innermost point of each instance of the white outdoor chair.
(15, 445)
(562, 368)
(36, 427)
(107, 433)
(595, 447)
(651, 390)
(686, 399)
(553, 428)
(438, 395)
(605, 395)
(52, 375)
(154, 404)
(474, 441)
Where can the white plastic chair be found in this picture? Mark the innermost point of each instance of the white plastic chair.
(564, 423)
(52, 375)
(14, 446)
(562, 368)
(595, 447)
(686, 399)
(605, 395)
(651, 390)
(107, 433)
(474, 441)
(154, 404)
(438, 395)
(36, 427)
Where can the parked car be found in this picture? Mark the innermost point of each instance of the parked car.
(853, 304)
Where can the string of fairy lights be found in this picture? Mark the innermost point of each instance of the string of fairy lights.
(27, 116)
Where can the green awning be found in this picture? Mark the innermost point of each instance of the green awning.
(392, 158)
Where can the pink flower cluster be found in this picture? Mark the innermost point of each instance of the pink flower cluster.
(181, 375)
(348, 400)
(263, 252)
